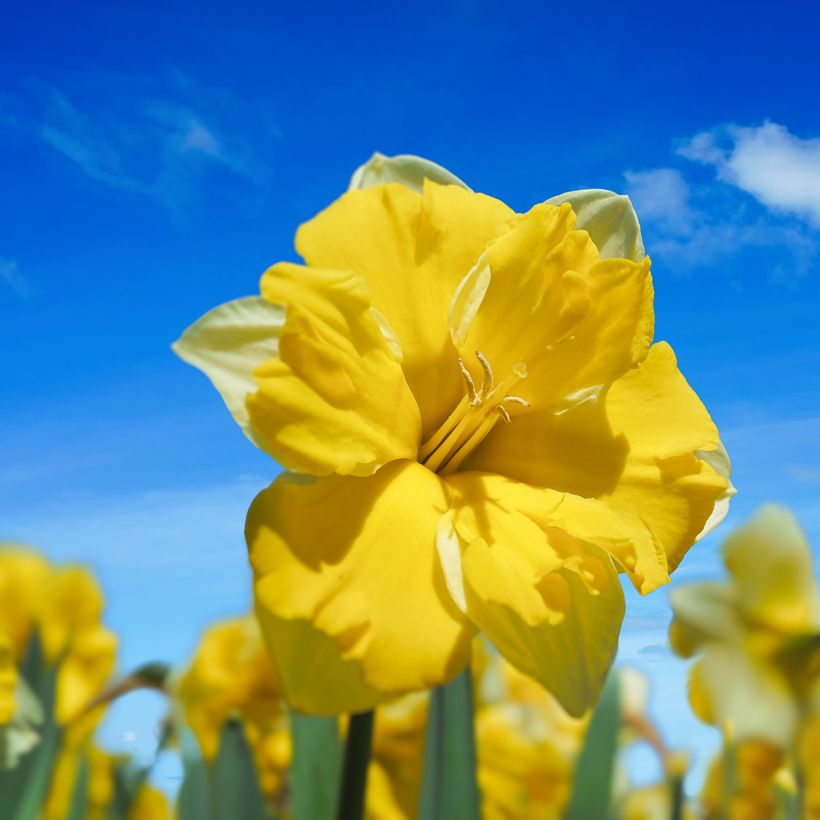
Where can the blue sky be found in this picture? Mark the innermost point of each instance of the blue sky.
(156, 158)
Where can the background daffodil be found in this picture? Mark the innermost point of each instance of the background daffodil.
(757, 635)
(478, 434)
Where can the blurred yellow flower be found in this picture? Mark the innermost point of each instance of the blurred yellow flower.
(479, 434)
(64, 605)
(744, 790)
(231, 675)
(526, 745)
(394, 774)
(8, 680)
(148, 804)
(756, 635)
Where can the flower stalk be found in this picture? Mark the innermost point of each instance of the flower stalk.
(354, 768)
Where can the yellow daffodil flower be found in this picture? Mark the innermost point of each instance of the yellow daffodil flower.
(756, 635)
(231, 674)
(478, 434)
(747, 791)
(64, 605)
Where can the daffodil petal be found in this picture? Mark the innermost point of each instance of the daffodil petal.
(550, 601)
(639, 447)
(751, 700)
(349, 592)
(406, 169)
(609, 219)
(541, 296)
(771, 563)
(412, 249)
(335, 398)
(227, 344)
(705, 611)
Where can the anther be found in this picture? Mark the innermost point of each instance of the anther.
(502, 411)
(469, 381)
(516, 400)
(487, 387)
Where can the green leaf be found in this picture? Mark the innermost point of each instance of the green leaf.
(316, 767)
(33, 666)
(592, 786)
(449, 790)
(79, 796)
(235, 783)
(194, 799)
(23, 790)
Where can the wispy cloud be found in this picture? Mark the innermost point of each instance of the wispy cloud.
(155, 145)
(10, 276)
(779, 169)
(662, 195)
(697, 223)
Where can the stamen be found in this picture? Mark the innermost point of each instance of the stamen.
(516, 400)
(473, 417)
(487, 386)
(469, 381)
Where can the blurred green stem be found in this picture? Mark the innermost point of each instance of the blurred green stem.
(449, 790)
(354, 769)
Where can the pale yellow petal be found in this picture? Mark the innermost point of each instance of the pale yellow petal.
(609, 219)
(349, 592)
(705, 611)
(771, 563)
(227, 344)
(752, 700)
(335, 399)
(413, 249)
(406, 169)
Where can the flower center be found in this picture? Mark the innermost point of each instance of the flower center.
(473, 417)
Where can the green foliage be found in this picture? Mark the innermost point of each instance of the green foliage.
(449, 790)
(592, 786)
(228, 788)
(316, 767)
(236, 791)
(24, 788)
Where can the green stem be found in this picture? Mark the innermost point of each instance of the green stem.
(449, 790)
(354, 769)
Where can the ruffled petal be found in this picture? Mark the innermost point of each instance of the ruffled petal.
(412, 249)
(549, 600)
(639, 446)
(349, 592)
(541, 301)
(335, 398)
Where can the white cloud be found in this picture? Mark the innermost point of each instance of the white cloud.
(11, 276)
(779, 169)
(661, 195)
